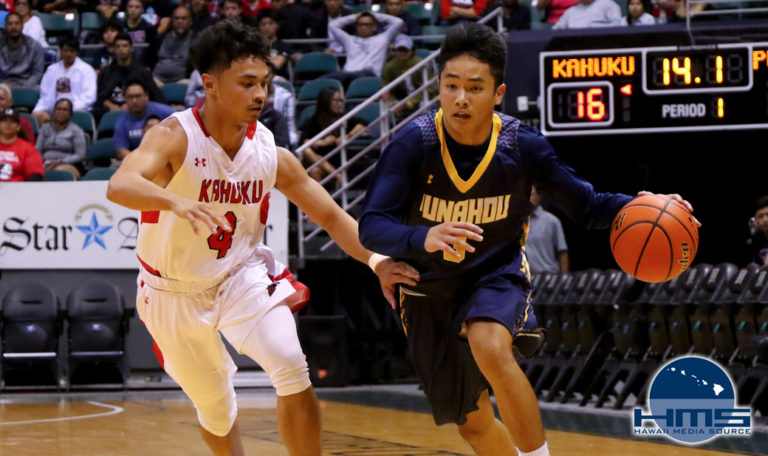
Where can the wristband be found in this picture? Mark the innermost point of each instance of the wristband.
(374, 261)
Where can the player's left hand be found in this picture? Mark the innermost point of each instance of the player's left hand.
(676, 197)
(391, 272)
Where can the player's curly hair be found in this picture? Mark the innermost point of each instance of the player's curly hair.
(219, 45)
(478, 41)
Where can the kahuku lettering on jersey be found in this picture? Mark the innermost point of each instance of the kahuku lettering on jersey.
(236, 188)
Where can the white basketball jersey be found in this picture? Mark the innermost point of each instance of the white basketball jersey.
(238, 189)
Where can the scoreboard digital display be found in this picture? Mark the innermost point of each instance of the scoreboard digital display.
(654, 89)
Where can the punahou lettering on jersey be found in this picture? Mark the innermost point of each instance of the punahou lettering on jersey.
(492, 197)
(238, 189)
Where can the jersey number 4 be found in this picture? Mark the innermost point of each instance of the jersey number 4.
(222, 240)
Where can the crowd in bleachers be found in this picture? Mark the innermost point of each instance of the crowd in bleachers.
(125, 63)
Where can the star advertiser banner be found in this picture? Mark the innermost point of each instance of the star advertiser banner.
(72, 225)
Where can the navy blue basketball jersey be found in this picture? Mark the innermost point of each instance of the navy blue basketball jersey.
(420, 183)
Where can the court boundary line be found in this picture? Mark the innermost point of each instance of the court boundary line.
(114, 411)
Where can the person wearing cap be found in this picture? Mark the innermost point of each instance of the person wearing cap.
(26, 131)
(403, 61)
(19, 160)
(366, 50)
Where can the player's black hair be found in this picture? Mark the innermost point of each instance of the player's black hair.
(761, 203)
(219, 45)
(71, 42)
(478, 41)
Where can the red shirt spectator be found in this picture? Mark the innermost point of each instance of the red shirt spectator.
(461, 9)
(8, 5)
(19, 160)
(252, 9)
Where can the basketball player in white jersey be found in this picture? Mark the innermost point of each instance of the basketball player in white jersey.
(202, 181)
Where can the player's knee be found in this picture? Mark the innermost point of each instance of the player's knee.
(217, 411)
(289, 373)
(491, 353)
(474, 430)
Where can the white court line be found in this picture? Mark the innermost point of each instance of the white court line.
(114, 410)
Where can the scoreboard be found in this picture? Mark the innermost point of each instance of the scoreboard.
(654, 89)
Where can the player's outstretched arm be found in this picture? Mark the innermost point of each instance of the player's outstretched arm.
(294, 182)
(140, 181)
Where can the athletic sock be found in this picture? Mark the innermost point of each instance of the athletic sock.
(541, 451)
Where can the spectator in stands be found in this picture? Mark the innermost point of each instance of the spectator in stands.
(115, 76)
(333, 9)
(411, 25)
(61, 142)
(403, 61)
(19, 160)
(513, 16)
(758, 239)
(26, 132)
(590, 13)
(149, 123)
(21, 57)
(365, 51)
(554, 9)
(251, 8)
(201, 17)
(59, 6)
(195, 95)
(168, 56)
(271, 117)
(296, 20)
(32, 27)
(280, 52)
(108, 7)
(233, 10)
(106, 54)
(638, 13)
(545, 246)
(159, 13)
(128, 128)
(70, 78)
(330, 108)
(456, 11)
(140, 30)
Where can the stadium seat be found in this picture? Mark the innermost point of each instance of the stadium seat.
(174, 93)
(31, 327)
(432, 43)
(422, 53)
(25, 99)
(305, 115)
(58, 25)
(285, 84)
(91, 21)
(57, 175)
(84, 120)
(421, 11)
(309, 91)
(101, 153)
(98, 174)
(710, 322)
(96, 333)
(107, 124)
(32, 121)
(363, 88)
(315, 64)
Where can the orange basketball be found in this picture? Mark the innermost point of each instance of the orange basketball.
(654, 238)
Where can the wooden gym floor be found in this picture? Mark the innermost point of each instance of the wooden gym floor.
(163, 423)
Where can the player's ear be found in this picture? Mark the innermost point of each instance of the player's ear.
(210, 83)
(499, 95)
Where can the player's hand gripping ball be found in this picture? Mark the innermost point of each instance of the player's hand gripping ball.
(654, 238)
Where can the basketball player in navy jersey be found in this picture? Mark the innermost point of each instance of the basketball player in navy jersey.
(202, 179)
(450, 195)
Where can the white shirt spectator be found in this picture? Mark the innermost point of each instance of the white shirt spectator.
(77, 83)
(365, 53)
(285, 103)
(590, 13)
(645, 19)
(33, 28)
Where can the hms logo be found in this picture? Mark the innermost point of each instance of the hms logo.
(199, 161)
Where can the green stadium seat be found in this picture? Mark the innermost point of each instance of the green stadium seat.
(362, 88)
(310, 90)
(107, 124)
(315, 64)
(99, 174)
(25, 99)
(174, 92)
(84, 120)
(57, 175)
(58, 25)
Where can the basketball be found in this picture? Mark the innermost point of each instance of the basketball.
(654, 238)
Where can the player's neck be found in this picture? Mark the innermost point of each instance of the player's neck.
(226, 134)
(468, 135)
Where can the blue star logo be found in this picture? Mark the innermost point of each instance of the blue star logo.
(94, 232)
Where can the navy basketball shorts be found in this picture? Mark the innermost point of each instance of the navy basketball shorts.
(442, 359)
